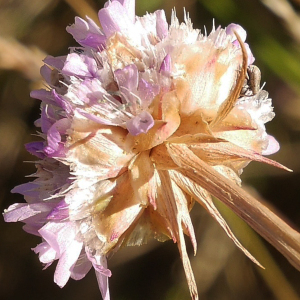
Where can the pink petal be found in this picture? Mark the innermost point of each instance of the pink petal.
(161, 24)
(56, 62)
(103, 285)
(59, 212)
(55, 147)
(43, 95)
(140, 124)
(251, 58)
(87, 33)
(231, 28)
(66, 261)
(147, 91)
(26, 189)
(81, 268)
(46, 253)
(129, 5)
(273, 146)
(114, 18)
(59, 235)
(80, 65)
(127, 77)
(102, 273)
(165, 66)
(22, 211)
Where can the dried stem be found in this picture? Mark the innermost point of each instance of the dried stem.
(83, 8)
(15, 56)
(259, 217)
(284, 10)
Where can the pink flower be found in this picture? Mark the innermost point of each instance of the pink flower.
(138, 124)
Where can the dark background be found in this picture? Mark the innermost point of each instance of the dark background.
(30, 29)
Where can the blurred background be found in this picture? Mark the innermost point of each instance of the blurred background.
(31, 29)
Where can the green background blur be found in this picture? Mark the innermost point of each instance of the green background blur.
(30, 29)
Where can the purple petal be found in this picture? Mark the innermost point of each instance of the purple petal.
(62, 102)
(55, 147)
(99, 263)
(59, 235)
(56, 62)
(101, 107)
(103, 285)
(79, 29)
(22, 211)
(140, 123)
(102, 273)
(114, 19)
(47, 118)
(89, 91)
(127, 78)
(80, 65)
(147, 91)
(49, 233)
(87, 33)
(43, 95)
(59, 212)
(52, 98)
(46, 73)
(161, 24)
(36, 148)
(81, 268)
(32, 229)
(93, 40)
(26, 189)
(165, 67)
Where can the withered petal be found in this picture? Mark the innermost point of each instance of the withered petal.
(195, 139)
(237, 119)
(176, 205)
(99, 153)
(228, 104)
(161, 158)
(165, 205)
(204, 198)
(141, 170)
(193, 123)
(219, 153)
(124, 208)
(149, 225)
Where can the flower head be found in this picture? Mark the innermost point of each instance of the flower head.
(137, 124)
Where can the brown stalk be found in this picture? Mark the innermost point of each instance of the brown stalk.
(284, 238)
(83, 9)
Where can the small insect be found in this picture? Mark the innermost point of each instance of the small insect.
(252, 81)
(78, 50)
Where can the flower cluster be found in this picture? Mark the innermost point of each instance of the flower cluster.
(124, 117)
